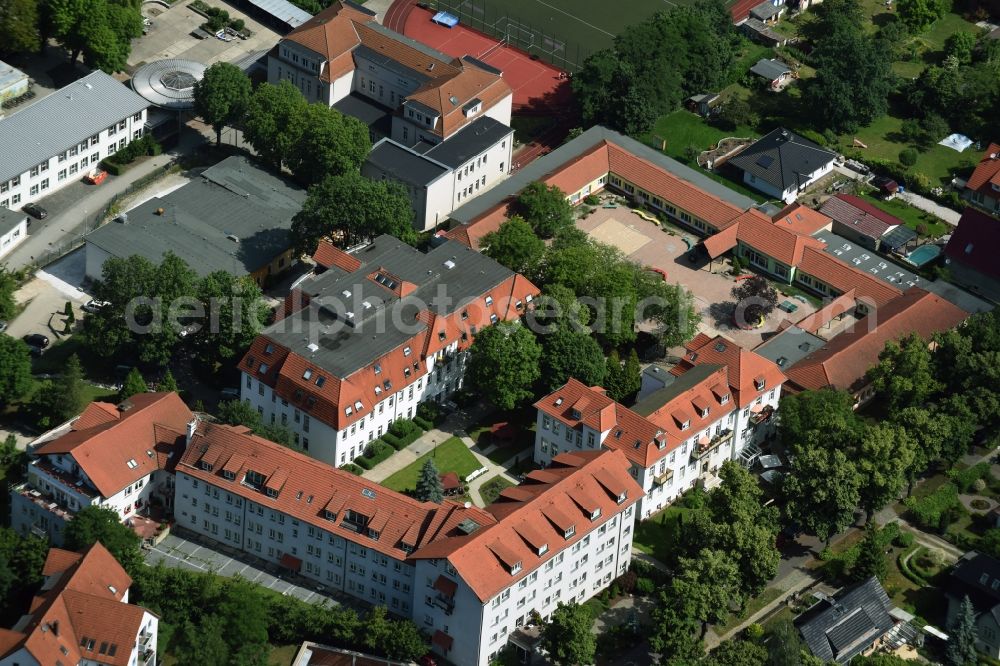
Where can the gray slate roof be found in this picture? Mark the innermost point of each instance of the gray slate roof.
(977, 576)
(62, 120)
(404, 164)
(10, 219)
(780, 157)
(841, 630)
(789, 346)
(234, 198)
(283, 11)
(470, 141)
(389, 321)
(575, 148)
(771, 70)
(679, 385)
(765, 11)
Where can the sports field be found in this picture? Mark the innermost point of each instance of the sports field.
(563, 32)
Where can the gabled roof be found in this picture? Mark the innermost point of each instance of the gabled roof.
(546, 506)
(80, 601)
(843, 362)
(838, 630)
(986, 177)
(772, 70)
(782, 158)
(329, 255)
(774, 239)
(975, 243)
(331, 32)
(801, 219)
(745, 368)
(826, 267)
(116, 451)
(977, 576)
(310, 488)
(859, 215)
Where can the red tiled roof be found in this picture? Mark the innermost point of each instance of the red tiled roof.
(310, 488)
(546, 504)
(147, 433)
(743, 366)
(987, 173)
(858, 214)
(84, 601)
(843, 362)
(801, 219)
(843, 278)
(586, 168)
(722, 242)
(773, 239)
(329, 255)
(838, 306)
(976, 243)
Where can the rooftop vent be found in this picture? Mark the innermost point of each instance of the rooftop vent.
(313, 347)
(449, 264)
(233, 237)
(160, 211)
(720, 346)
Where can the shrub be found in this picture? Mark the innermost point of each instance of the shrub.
(814, 136)
(353, 469)
(591, 200)
(979, 485)
(112, 168)
(645, 586)
(237, 25)
(375, 453)
(903, 539)
(965, 479)
(908, 157)
(937, 510)
(432, 412)
(423, 423)
(403, 427)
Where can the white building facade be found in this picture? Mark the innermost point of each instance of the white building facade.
(59, 139)
(13, 229)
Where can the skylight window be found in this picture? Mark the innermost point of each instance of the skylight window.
(378, 368)
(132, 464)
(269, 349)
(358, 406)
(320, 381)
(378, 390)
(489, 300)
(263, 368)
(307, 374)
(407, 351)
(348, 410)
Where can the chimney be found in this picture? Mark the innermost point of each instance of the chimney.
(192, 426)
(55, 627)
(124, 406)
(160, 211)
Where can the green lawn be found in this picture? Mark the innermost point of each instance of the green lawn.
(452, 455)
(657, 534)
(913, 217)
(753, 606)
(282, 655)
(491, 490)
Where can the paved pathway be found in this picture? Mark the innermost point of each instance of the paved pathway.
(929, 206)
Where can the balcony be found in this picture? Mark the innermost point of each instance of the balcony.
(763, 416)
(446, 604)
(664, 478)
(42, 500)
(147, 656)
(57, 477)
(707, 446)
(144, 639)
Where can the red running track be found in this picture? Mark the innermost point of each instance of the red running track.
(535, 84)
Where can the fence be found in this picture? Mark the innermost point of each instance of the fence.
(491, 17)
(112, 208)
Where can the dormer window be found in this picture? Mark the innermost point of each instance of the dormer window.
(623, 497)
(406, 372)
(358, 406)
(758, 383)
(330, 515)
(595, 514)
(465, 315)
(515, 569)
(205, 465)
(407, 351)
(704, 412)
(228, 475)
(374, 534)
(271, 492)
(544, 548)
(378, 390)
(724, 399)
(489, 301)
(441, 336)
(348, 410)
(685, 425)
(570, 531)
(575, 414)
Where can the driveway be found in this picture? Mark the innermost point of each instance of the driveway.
(46, 298)
(652, 245)
(185, 553)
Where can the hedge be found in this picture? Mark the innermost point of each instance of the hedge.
(937, 510)
(403, 427)
(904, 567)
(353, 469)
(431, 411)
(423, 423)
(401, 434)
(375, 453)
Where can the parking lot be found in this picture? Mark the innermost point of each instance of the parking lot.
(650, 245)
(170, 36)
(176, 551)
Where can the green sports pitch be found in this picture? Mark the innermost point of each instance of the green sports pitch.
(563, 32)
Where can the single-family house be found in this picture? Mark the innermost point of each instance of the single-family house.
(971, 253)
(983, 187)
(859, 221)
(977, 576)
(774, 72)
(703, 104)
(782, 164)
(768, 11)
(850, 624)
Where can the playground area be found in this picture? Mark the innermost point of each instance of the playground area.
(535, 83)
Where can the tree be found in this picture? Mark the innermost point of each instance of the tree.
(565, 354)
(962, 637)
(66, 398)
(814, 418)
(503, 364)
(737, 112)
(429, 488)
(706, 585)
(238, 412)
(614, 377)
(133, 385)
(883, 460)
(269, 124)
(545, 208)
(669, 306)
(201, 643)
(568, 637)
(908, 156)
(735, 652)
(871, 559)
(8, 285)
(221, 97)
(18, 26)
(15, 380)
(236, 313)
(405, 642)
(675, 633)
(353, 208)
(822, 491)
(21, 561)
(918, 15)
(755, 299)
(514, 245)
(95, 523)
(99, 29)
(168, 383)
(377, 628)
(243, 611)
(785, 647)
(904, 376)
(960, 46)
(631, 377)
(327, 143)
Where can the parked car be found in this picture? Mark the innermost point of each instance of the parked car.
(37, 340)
(93, 305)
(36, 211)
